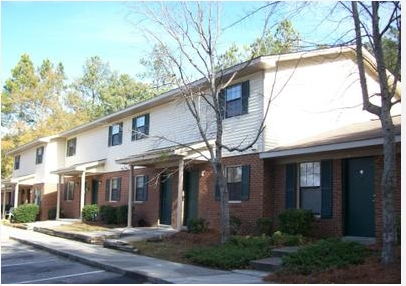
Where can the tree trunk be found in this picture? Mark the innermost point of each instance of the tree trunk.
(224, 207)
(388, 186)
(388, 180)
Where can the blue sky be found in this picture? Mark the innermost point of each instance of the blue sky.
(71, 32)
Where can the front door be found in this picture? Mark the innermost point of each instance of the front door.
(360, 195)
(95, 191)
(191, 196)
(166, 200)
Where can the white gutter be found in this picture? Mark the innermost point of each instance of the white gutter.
(323, 148)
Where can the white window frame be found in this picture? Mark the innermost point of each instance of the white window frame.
(70, 189)
(231, 96)
(112, 180)
(39, 155)
(71, 147)
(233, 182)
(309, 177)
(136, 188)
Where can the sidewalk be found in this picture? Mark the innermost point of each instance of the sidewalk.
(155, 270)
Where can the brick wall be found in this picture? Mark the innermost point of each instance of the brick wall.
(48, 200)
(334, 226)
(378, 193)
(247, 211)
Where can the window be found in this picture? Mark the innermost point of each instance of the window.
(69, 190)
(71, 147)
(37, 197)
(116, 134)
(17, 162)
(310, 192)
(309, 186)
(234, 175)
(39, 156)
(235, 99)
(140, 188)
(113, 189)
(140, 127)
(238, 183)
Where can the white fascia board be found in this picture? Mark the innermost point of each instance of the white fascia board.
(32, 144)
(324, 148)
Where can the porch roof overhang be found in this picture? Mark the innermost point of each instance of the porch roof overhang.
(93, 167)
(22, 180)
(358, 135)
(195, 151)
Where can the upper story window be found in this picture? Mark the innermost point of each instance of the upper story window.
(39, 155)
(140, 188)
(234, 99)
(17, 162)
(140, 127)
(71, 147)
(113, 189)
(116, 134)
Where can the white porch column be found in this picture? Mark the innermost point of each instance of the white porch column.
(82, 193)
(16, 189)
(130, 196)
(58, 196)
(3, 214)
(180, 195)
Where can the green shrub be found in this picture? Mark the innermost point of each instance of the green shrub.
(237, 252)
(108, 214)
(121, 214)
(26, 213)
(198, 225)
(296, 221)
(52, 213)
(279, 238)
(90, 212)
(324, 255)
(235, 224)
(264, 225)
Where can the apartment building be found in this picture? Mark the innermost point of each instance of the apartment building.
(150, 156)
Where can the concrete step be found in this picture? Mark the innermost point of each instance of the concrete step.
(283, 251)
(267, 264)
(273, 263)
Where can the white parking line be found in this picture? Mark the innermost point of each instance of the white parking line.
(58, 277)
(31, 262)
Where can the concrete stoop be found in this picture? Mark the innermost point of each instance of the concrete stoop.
(273, 263)
(98, 238)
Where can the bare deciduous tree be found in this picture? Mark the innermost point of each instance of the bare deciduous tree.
(373, 30)
(189, 36)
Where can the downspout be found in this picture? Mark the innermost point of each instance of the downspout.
(130, 197)
(3, 214)
(16, 190)
(58, 197)
(82, 194)
(180, 195)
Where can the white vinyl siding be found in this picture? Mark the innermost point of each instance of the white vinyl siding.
(319, 95)
(243, 128)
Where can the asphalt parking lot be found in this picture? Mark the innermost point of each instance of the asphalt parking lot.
(23, 264)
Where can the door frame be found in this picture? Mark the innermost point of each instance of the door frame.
(165, 200)
(367, 198)
(191, 196)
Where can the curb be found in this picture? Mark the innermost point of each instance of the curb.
(94, 263)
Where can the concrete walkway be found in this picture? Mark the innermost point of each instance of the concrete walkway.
(155, 270)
